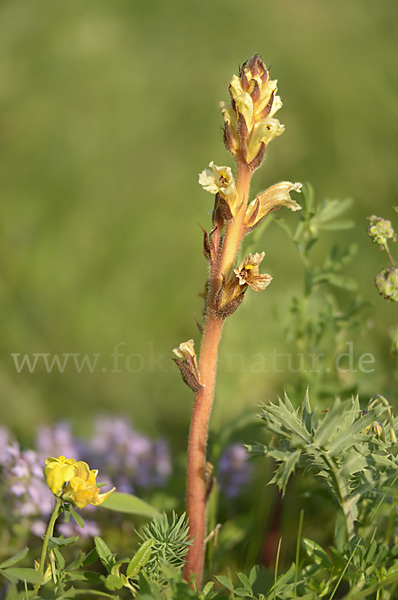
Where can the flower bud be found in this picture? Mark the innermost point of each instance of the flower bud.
(380, 230)
(249, 124)
(386, 282)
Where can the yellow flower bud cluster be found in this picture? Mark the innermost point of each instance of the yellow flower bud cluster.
(74, 482)
(249, 123)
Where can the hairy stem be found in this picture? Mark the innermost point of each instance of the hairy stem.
(196, 456)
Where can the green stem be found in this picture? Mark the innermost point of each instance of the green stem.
(49, 532)
(389, 253)
(342, 495)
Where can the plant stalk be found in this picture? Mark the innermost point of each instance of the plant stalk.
(196, 454)
(49, 532)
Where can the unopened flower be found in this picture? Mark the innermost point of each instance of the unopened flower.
(82, 489)
(186, 362)
(249, 123)
(380, 230)
(386, 282)
(274, 197)
(219, 180)
(248, 273)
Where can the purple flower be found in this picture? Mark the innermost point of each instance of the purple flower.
(234, 472)
(56, 441)
(22, 484)
(127, 457)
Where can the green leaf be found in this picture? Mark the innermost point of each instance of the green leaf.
(242, 593)
(78, 518)
(207, 589)
(104, 553)
(225, 581)
(127, 503)
(144, 583)
(331, 209)
(59, 559)
(285, 469)
(316, 552)
(112, 582)
(140, 559)
(337, 225)
(253, 574)
(245, 581)
(342, 281)
(14, 559)
(90, 558)
(22, 574)
(61, 541)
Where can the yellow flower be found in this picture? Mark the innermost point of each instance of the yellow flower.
(219, 180)
(274, 197)
(248, 273)
(249, 120)
(82, 489)
(58, 471)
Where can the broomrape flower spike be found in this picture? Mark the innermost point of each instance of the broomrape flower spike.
(73, 482)
(249, 126)
(249, 123)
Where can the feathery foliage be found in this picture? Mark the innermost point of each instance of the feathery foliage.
(170, 544)
(344, 447)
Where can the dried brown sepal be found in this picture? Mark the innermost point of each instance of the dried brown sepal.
(228, 139)
(258, 159)
(242, 129)
(224, 209)
(187, 376)
(186, 362)
(198, 325)
(267, 109)
(226, 310)
(207, 245)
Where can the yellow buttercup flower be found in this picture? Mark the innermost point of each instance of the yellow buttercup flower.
(82, 490)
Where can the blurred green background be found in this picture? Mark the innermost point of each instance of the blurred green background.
(109, 110)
